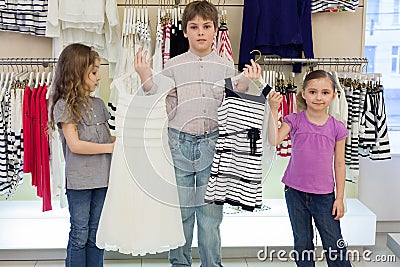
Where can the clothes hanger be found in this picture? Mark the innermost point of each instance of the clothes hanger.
(42, 78)
(37, 79)
(2, 78)
(4, 87)
(259, 55)
(48, 79)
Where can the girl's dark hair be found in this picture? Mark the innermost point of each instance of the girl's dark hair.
(316, 74)
(69, 80)
(204, 9)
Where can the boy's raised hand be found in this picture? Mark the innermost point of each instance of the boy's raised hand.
(253, 71)
(142, 65)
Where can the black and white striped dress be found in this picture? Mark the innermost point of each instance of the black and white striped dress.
(236, 172)
(375, 138)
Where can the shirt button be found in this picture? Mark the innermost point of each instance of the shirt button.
(202, 80)
(204, 111)
(200, 59)
(201, 66)
(94, 116)
(203, 95)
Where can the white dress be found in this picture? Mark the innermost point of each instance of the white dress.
(141, 211)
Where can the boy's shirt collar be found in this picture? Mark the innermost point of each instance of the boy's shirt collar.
(205, 58)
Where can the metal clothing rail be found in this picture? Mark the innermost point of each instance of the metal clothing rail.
(265, 59)
(175, 3)
(166, 5)
(45, 62)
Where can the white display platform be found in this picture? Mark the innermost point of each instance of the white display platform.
(24, 229)
(393, 242)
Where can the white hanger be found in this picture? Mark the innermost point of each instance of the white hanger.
(11, 80)
(37, 80)
(48, 79)
(48, 83)
(30, 79)
(123, 39)
(1, 78)
(146, 16)
(4, 87)
(42, 80)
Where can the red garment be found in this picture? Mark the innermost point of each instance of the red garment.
(224, 47)
(27, 126)
(34, 125)
(167, 42)
(287, 107)
(44, 150)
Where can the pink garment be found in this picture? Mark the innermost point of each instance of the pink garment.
(44, 151)
(167, 42)
(288, 106)
(224, 47)
(27, 129)
(310, 168)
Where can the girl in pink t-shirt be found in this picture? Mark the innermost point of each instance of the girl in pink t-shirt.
(318, 140)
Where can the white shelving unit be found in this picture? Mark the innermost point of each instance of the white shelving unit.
(29, 234)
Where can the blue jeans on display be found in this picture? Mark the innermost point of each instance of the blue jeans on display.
(302, 208)
(85, 208)
(192, 156)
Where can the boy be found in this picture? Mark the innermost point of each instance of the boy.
(193, 126)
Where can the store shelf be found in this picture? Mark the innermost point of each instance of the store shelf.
(27, 233)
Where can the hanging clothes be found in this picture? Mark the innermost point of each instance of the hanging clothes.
(90, 22)
(11, 146)
(375, 138)
(365, 117)
(339, 107)
(158, 56)
(236, 171)
(179, 44)
(167, 42)
(333, 5)
(27, 17)
(276, 27)
(224, 47)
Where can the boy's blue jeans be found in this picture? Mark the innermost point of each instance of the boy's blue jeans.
(302, 208)
(193, 156)
(85, 208)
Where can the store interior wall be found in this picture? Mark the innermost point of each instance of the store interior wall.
(334, 35)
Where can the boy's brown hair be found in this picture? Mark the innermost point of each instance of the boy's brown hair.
(204, 9)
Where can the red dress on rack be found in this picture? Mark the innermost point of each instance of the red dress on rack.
(44, 149)
(27, 130)
(34, 139)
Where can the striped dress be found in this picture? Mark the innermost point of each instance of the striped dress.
(236, 172)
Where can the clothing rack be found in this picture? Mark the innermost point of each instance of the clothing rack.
(175, 4)
(45, 62)
(265, 59)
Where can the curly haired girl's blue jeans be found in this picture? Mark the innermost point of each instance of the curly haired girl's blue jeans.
(85, 208)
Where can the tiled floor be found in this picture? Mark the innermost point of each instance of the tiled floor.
(379, 250)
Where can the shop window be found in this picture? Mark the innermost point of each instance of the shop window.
(396, 12)
(395, 59)
(370, 54)
(382, 48)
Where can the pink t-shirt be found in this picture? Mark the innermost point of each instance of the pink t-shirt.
(310, 168)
